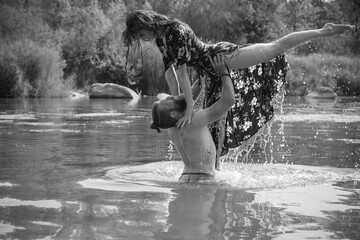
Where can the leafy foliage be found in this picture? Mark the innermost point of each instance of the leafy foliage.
(30, 70)
(83, 28)
(84, 37)
(323, 70)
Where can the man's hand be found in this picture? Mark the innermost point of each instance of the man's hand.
(333, 29)
(218, 63)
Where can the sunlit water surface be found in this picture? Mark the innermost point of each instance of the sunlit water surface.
(92, 169)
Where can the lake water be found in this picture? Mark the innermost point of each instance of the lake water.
(92, 169)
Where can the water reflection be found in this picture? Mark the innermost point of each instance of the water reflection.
(192, 212)
(213, 213)
(50, 148)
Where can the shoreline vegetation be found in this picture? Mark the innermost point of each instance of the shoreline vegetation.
(307, 73)
(54, 48)
(29, 70)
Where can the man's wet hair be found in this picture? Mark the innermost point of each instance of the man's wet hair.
(161, 117)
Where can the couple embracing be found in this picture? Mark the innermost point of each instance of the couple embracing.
(240, 83)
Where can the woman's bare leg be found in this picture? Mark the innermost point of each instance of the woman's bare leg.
(263, 52)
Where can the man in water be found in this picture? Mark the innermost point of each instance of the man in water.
(194, 141)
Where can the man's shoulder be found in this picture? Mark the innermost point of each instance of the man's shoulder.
(173, 131)
(200, 118)
(195, 128)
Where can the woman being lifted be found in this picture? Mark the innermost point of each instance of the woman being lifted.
(254, 85)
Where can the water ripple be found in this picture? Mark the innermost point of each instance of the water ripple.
(244, 176)
(336, 118)
(17, 116)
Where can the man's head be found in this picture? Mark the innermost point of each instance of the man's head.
(166, 112)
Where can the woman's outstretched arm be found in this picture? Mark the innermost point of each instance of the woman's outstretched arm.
(172, 81)
(262, 52)
(180, 78)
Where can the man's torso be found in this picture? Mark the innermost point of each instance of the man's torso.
(196, 148)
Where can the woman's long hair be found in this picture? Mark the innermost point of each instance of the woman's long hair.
(141, 19)
(135, 22)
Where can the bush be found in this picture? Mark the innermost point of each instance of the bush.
(317, 70)
(10, 74)
(30, 70)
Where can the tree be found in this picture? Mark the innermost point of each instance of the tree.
(19, 23)
(351, 14)
(300, 15)
(111, 50)
(82, 29)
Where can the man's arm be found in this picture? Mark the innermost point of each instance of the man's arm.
(262, 52)
(227, 99)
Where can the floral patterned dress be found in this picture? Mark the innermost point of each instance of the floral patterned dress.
(255, 87)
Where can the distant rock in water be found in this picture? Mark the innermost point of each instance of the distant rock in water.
(77, 95)
(322, 92)
(111, 90)
(162, 96)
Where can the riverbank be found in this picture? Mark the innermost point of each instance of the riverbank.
(30, 70)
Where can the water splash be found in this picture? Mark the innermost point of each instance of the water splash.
(263, 138)
(235, 175)
(242, 153)
(274, 176)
